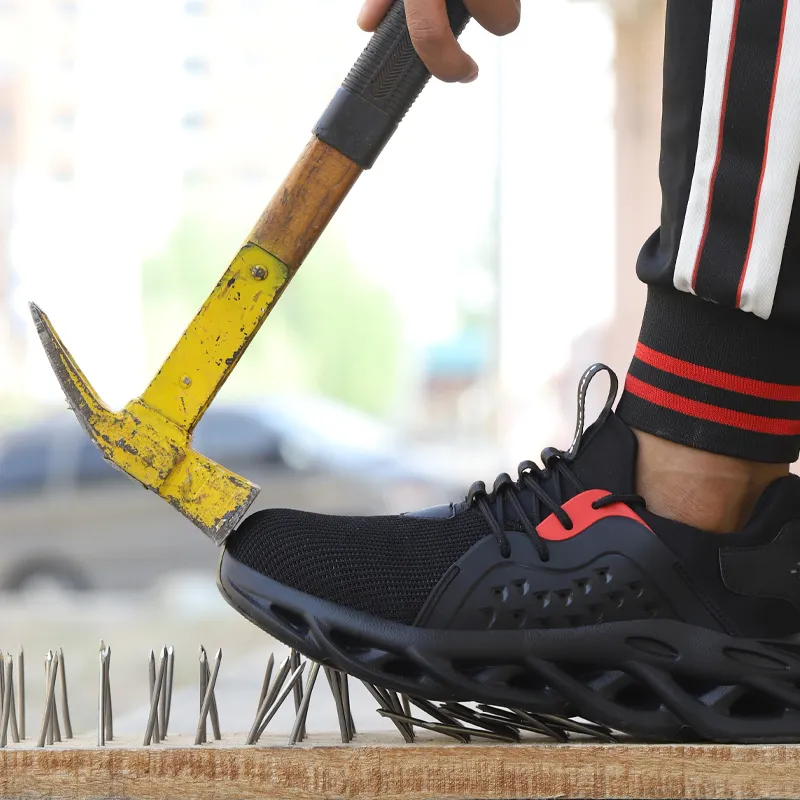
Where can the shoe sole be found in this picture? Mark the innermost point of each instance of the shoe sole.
(658, 680)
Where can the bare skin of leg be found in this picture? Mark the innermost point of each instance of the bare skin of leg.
(708, 491)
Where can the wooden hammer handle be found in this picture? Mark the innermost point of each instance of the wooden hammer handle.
(304, 204)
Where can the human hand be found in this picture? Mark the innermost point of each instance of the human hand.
(430, 31)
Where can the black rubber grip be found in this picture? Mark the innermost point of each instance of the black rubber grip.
(381, 87)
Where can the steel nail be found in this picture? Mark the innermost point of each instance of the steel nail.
(336, 691)
(462, 713)
(170, 674)
(300, 720)
(406, 705)
(588, 729)
(454, 731)
(162, 703)
(48, 700)
(10, 682)
(203, 687)
(437, 713)
(54, 731)
(64, 699)
(345, 682)
(21, 691)
(213, 712)
(298, 689)
(525, 722)
(267, 679)
(283, 695)
(151, 672)
(101, 699)
(267, 702)
(8, 702)
(211, 680)
(109, 709)
(150, 734)
(395, 705)
(384, 705)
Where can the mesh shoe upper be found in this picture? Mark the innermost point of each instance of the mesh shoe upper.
(386, 566)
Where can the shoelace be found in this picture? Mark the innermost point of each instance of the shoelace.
(506, 489)
(530, 476)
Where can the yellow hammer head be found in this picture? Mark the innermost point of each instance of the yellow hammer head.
(151, 449)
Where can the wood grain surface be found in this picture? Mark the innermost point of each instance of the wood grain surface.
(369, 768)
(305, 203)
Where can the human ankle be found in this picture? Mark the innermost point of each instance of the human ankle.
(708, 491)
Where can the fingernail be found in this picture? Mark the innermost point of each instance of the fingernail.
(473, 76)
(360, 18)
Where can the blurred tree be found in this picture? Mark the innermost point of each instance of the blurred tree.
(334, 331)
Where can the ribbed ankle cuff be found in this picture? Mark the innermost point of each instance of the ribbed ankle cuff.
(715, 378)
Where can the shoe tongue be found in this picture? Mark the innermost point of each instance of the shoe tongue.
(607, 456)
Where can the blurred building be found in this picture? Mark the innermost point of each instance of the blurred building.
(10, 336)
(11, 130)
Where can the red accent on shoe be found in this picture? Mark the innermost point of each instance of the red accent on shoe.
(583, 516)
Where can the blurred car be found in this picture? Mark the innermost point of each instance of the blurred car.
(68, 518)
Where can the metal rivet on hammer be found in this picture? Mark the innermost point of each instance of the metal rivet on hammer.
(259, 272)
(186, 380)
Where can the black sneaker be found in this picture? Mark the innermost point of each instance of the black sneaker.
(556, 593)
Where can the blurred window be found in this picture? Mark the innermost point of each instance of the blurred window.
(24, 465)
(8, 6)
(196, 65)
(196, 8)
(256, 61)
(254, 6)
(63, 172)
(67, 8)
(194, 178)
(194, 121)
(64, 120)
(228, 437)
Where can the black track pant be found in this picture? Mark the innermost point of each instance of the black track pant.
(717, 365)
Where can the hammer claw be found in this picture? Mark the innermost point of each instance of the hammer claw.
(150, 448)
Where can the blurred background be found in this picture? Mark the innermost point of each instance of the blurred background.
(434, 337)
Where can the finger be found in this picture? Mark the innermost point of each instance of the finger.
(499, 17)
(371, 14)
(433, 39)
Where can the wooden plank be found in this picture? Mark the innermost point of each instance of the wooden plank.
(373, 768)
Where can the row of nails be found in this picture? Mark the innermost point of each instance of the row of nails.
(456, 720)
(12, 704)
